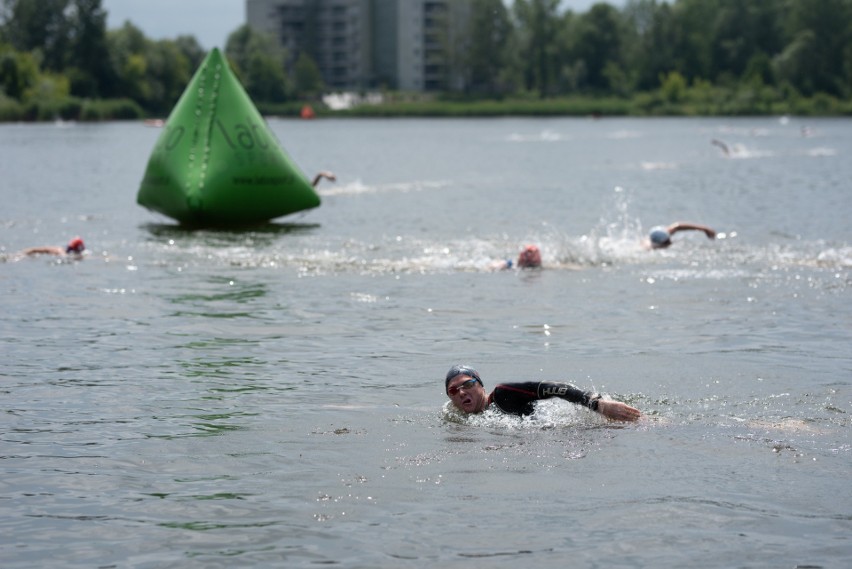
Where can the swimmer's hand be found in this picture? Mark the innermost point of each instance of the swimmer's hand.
(618, 411)
(710, 233)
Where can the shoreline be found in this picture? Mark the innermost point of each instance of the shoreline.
(647, 105)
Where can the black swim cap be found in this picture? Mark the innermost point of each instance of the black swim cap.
(461, 370)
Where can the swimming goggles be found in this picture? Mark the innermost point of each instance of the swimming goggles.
(454, 390)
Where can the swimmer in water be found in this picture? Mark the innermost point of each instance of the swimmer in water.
(529, 258)
(465, 389)
(75, 247)
(721, 145)
(661, 237)
(324, 174)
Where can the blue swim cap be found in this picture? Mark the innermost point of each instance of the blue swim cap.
(659, 235)
(461, 370)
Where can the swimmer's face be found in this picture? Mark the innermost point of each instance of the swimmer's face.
(467, 394)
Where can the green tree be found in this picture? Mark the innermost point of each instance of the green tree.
(38, 25)
(742, 30)
(18, 72)
(538, 29)
(259, 62)
(48, 87)
(90, 70)
(657, 36)
(488, 49)
(597, 42)
(154, 74)
(190, 49)
(817, 57)
(127, 48)
(167, 72)
(693, 38)
(672, 87)
(307, 76)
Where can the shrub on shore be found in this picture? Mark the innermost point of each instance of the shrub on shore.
(69, 109)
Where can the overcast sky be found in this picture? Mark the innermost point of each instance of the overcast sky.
(210, 21)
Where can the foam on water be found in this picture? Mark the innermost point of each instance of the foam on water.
(610, 244)
(549, 414)
(357, 187)
(543, 136)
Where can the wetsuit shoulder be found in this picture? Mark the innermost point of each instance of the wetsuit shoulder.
(516, 398)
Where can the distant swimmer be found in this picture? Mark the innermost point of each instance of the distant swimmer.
(75, 247)
(529, 258)
(661, 237)
(324, 174)
(721, 145)
(466, 391)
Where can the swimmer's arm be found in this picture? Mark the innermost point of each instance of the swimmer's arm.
(618, 411)
(721, 145)
(44, 251)
(615, 410)
(569, 392)
(682, 226)
(324, 174)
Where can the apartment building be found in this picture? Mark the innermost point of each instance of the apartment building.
(363, 44)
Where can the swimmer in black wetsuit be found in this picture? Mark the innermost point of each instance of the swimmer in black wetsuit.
(466, 391)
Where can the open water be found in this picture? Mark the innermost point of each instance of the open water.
(274, 397)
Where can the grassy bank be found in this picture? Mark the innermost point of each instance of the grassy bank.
(646, 104)
(575, 106)
(703, 102)
(69, 109)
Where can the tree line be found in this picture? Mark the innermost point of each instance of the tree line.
(804, 45)
(57, 58)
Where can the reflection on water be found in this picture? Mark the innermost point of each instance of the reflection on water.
(236, 292)
(216, 236)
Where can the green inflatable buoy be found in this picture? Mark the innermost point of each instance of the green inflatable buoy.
(217, 163)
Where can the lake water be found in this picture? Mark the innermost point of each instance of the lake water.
(275, 397)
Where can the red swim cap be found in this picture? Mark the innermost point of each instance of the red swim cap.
(75, 246)
(529, 257)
